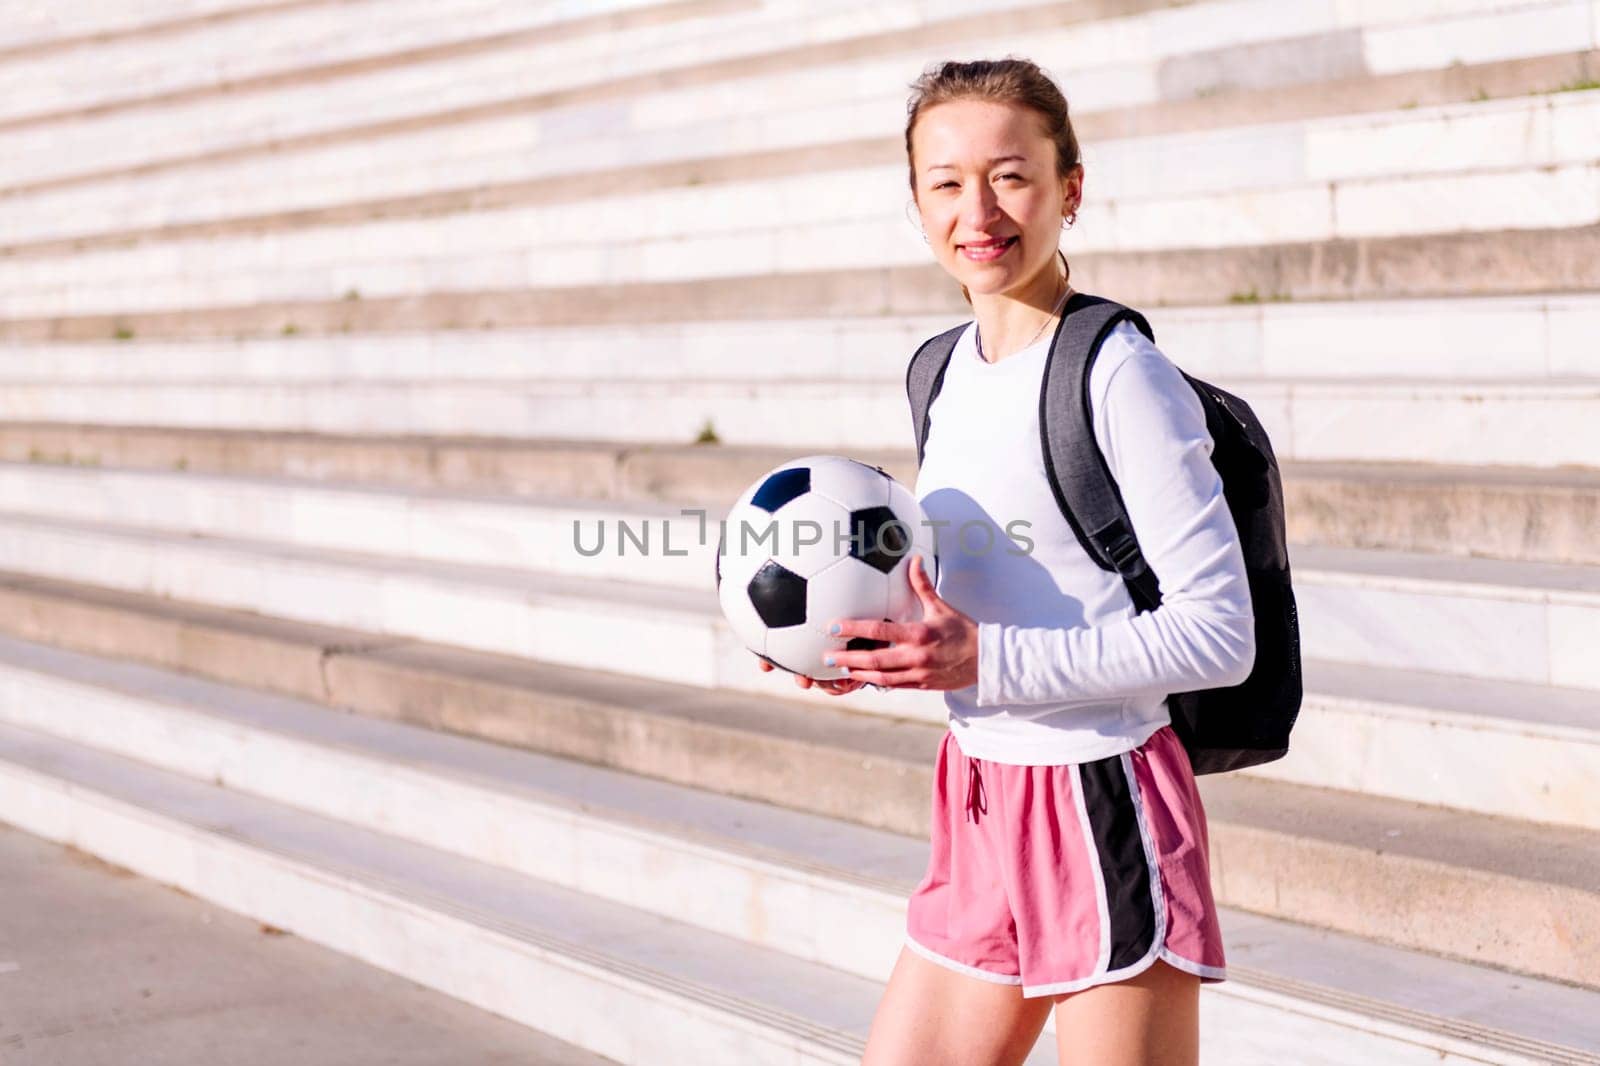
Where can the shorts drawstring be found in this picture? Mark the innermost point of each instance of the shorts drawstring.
(977, 802)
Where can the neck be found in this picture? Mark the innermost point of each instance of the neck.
(1009, 322)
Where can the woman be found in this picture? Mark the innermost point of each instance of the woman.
(1068, 868)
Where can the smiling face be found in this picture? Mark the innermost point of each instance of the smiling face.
(990, 198)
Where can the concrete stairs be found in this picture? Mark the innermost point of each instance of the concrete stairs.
(313, 353)
(725, 927)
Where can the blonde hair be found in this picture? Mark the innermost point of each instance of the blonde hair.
(1014, 81)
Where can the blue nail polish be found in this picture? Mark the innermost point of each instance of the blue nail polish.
(834, 628)
(828, 661)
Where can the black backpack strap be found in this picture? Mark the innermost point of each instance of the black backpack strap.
(1082, 482)
(924, 378)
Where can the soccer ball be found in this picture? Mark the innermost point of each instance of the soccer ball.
(816, 539)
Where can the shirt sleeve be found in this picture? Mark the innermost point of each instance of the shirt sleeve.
(1152, 430)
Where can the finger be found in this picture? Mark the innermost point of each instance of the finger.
(802, 680)
(897, 657)
(915, 677)
(766, 667)
(872, 629)
(922, 585)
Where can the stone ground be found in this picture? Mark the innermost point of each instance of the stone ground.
(99, 967)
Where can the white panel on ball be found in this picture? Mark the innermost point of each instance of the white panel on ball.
(840, 480)
(809, 531)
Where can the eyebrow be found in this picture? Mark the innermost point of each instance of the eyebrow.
(992, 162)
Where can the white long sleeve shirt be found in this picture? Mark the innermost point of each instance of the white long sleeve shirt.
(1067, 670)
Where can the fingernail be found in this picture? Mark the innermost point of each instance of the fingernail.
(828, 661)
(834, 628)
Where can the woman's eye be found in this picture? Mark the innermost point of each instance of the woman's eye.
(956, 185)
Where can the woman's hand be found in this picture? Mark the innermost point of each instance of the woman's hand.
(939, 652)
(840, 687)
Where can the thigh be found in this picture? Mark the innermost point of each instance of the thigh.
(1151, 1019)
(931, 1015)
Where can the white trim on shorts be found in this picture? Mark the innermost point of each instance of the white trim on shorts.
(1219, 973)
(961, 967)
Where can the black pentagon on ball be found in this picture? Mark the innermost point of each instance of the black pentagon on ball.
(778, 595)
(782, 487)
(878, 537)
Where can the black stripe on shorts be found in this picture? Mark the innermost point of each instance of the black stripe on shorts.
(1114, 824)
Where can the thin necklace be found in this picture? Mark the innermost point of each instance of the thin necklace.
(1060, 303)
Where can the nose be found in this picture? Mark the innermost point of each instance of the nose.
(979, 205)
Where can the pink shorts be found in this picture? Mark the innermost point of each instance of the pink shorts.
(1061, 877)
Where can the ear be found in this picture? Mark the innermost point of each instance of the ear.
(1072, 190)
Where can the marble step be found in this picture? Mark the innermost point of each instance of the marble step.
(1512, 750)
(1527, 423)
(1525, 262)
(1500, 512)
(1508, 338)
(1477, 618)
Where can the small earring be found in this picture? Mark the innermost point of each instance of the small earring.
(1068, 220)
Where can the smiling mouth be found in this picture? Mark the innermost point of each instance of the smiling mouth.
(987, 251)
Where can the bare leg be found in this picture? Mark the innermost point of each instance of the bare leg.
(1149, 1020)
(931, 1015)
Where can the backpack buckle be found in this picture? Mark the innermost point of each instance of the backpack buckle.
(1123, 550)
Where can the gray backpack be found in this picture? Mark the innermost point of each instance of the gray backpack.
(1221, 728)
